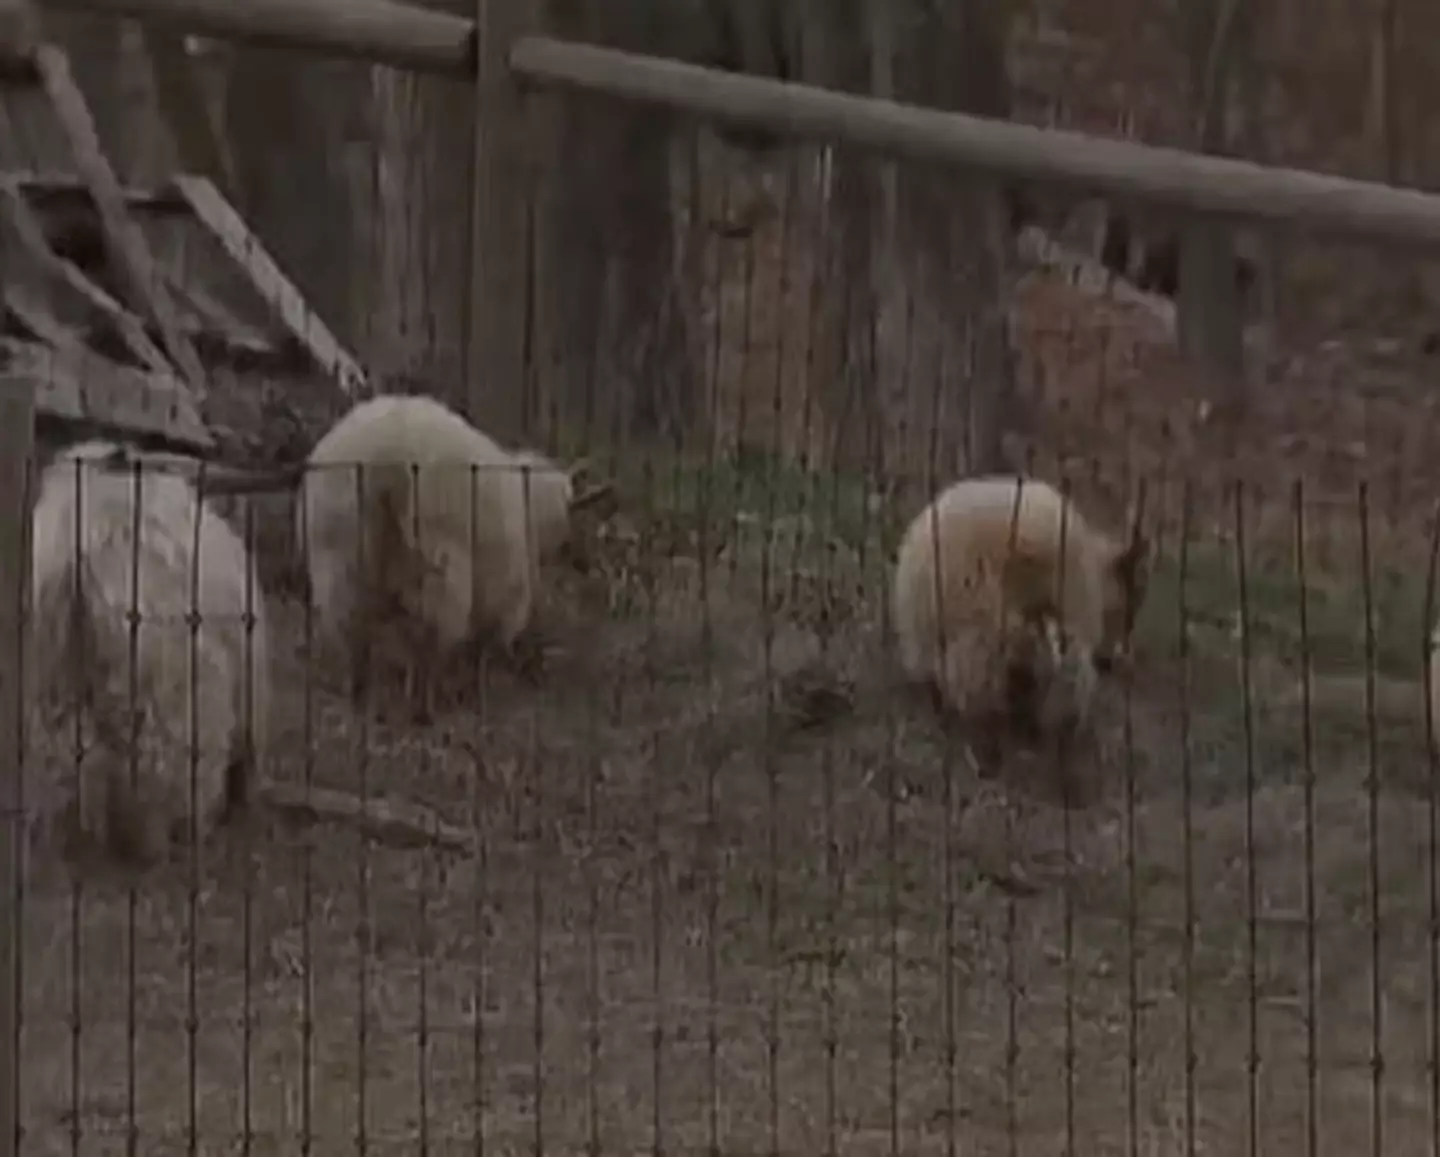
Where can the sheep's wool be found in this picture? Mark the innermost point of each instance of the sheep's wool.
(999, 573)
(407, 507)
(148, 619)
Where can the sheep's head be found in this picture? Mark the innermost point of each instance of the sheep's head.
(561, 499)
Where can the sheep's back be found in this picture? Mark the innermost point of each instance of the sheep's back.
(969, 533)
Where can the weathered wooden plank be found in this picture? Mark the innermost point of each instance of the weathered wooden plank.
(201, 148)
(22, 234)
(78, 384)
(213, 317)
(61, 191)
(31, 308)
(273, 287)
(126, 243)
(402, 35)
(17, 447)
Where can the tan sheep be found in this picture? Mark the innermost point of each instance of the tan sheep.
(1006, 600)
(412, 515)
(125, 597)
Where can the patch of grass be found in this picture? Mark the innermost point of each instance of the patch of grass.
(1325, 622)
(743, 483)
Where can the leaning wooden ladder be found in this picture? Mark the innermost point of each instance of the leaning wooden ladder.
(156, 383)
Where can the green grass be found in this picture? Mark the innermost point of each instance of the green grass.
(716, 490)
(1329, 623)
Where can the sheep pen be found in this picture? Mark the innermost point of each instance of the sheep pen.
(724, 881)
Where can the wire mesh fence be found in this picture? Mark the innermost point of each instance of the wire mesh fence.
(705, 875)
(663, 850)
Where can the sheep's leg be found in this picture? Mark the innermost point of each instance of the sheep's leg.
(359, 665)
(421, 655)
(421, 691)
(522, 644)
(139, 831)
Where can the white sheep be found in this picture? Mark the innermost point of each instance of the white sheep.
(411, 515)
(1006, 599)
(147, 617)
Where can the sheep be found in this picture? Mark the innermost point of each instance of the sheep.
(122, 599)
(411, 514)
(1029, 604)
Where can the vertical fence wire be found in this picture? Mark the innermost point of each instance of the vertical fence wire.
(17, 429)
(133, 725)
(359, 693)
(1187, 797)
(1307, 761)
(260, 722)
(193, 619)
(1132, 879)
(308, 735)
(1372, 790)
(1432, 826)
(1067, 793)
(1239, 512)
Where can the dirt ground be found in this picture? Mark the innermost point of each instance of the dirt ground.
(697, 917)
(707, 912)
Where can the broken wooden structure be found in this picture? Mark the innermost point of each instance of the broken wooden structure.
(120, 305)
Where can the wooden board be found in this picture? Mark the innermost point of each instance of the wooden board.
(127, 245)
(62, 193)
(79, 385)
(273, 287)
(17, 444)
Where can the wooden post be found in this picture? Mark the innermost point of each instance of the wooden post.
(17, 433)
(495, 332)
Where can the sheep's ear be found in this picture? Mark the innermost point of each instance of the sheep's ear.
(579, 472)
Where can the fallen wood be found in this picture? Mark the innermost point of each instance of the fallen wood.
(222, 481)
(388, 821)
(76, 384)
(1087, 273)
(1090, 276)
(271, 284)
(123, 239)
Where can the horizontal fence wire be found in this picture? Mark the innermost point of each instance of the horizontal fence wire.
(706, 871)
(639, 795)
